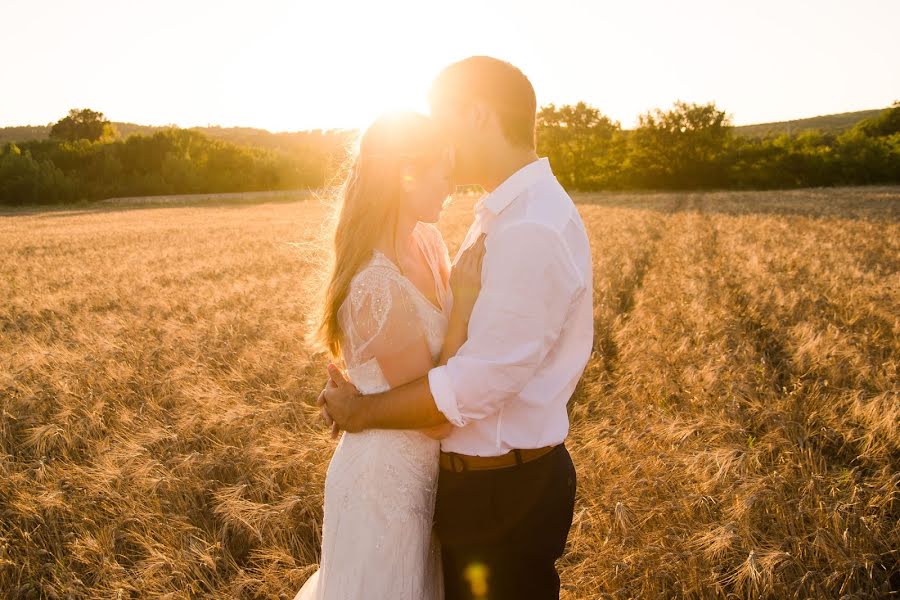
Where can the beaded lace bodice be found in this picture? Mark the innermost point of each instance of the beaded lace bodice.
(385, 310)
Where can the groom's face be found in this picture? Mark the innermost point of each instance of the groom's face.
(461, 131)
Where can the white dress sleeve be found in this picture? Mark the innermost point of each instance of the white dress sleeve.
(378, 319)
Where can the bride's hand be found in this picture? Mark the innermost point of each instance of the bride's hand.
(465, 279)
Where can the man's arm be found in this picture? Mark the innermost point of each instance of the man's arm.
(408, 406)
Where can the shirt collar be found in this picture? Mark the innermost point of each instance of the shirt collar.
(514, 185)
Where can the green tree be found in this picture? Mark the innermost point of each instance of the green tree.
(863, 159)
(83, 124)
(584, 146)
(24, 180)
(683, 147)
(886, 123)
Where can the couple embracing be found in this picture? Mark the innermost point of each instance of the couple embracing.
(451, 479)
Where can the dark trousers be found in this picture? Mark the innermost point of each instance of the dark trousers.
(501, 530)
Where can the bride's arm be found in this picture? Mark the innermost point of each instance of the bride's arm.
(465, 281)
(457, 332)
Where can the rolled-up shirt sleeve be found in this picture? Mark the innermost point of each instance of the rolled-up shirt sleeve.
(529, 281)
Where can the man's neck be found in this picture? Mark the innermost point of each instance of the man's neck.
(505, 165)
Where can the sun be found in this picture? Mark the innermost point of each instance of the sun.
(390, 91)
(330, 95)
(346, 83)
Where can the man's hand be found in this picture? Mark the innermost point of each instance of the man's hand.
(339, 402)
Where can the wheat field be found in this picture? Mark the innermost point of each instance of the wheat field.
(735, 433)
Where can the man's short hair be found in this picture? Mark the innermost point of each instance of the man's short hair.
(497, 83)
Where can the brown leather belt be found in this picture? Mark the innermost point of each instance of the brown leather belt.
(451, 461)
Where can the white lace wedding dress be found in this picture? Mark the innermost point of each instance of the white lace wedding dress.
(377, 541)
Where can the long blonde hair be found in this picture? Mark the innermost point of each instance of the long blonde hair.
(369, 202)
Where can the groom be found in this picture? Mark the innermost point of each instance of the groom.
(506, 488)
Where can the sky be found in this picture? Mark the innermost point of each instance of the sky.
(291, 65)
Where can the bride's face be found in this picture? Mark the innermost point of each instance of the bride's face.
(427, 190)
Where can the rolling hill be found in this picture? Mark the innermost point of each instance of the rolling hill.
(835, 123)
(286, 141)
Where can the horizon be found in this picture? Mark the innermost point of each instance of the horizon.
(237, 68)
(289, 131)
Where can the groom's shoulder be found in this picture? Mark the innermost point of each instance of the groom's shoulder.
(546, 203)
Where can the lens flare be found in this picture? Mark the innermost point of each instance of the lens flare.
(477, 576)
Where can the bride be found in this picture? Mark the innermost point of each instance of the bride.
(387, 316)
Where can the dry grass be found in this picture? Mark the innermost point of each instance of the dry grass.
(735, 434)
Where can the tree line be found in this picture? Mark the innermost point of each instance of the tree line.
(86, 159)
(689, 146)
(694, 146)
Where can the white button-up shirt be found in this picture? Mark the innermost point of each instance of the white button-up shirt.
(531, 330)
